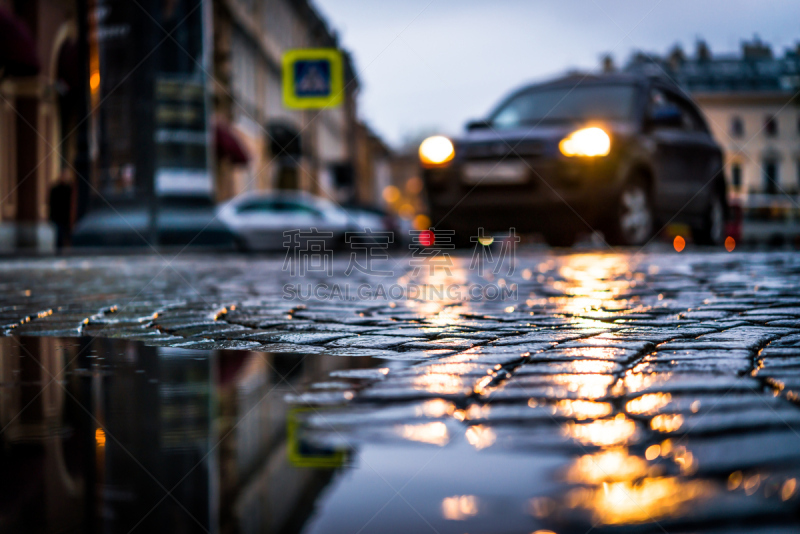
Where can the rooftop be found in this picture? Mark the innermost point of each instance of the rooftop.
(754, 69)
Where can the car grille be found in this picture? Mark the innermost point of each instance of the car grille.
(503, 149)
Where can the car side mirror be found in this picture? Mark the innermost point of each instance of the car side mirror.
(666, 117)
(478, 125)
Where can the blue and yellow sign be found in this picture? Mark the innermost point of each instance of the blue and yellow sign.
(313, 78)
(304, 454)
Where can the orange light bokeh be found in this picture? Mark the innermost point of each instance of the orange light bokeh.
(679, 243)
(390, 194)
(421, 222)
(730, 244)
(94, 81)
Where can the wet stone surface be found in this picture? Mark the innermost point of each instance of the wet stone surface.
(614, 392)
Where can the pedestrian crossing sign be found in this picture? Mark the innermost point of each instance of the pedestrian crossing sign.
(313, 78)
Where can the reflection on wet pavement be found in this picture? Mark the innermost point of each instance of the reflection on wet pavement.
(614, 394)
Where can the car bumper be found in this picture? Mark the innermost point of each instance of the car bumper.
(554, 192)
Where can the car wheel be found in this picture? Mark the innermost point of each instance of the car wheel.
(633, 220)
(463, 239)
(561, 237)
(460, 238)
(712, 232)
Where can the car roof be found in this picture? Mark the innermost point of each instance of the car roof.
(597, 79)
(572, 80)
(302, 196)
(278, 195)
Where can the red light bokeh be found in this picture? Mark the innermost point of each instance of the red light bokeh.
(427, 238)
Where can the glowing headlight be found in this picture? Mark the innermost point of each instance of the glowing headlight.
(436, 150)
(586, 142)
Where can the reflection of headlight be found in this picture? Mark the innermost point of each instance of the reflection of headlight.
(436, 150)
(586, 142)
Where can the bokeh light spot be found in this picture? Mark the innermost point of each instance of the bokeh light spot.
(414, 185)
(391, 194)
(94, 81)
(406, 212)
(421, 222)
(427, 238)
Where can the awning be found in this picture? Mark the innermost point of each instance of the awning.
(17, 47)
(228, 145)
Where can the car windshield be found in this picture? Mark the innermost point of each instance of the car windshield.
(599, 102)
(275, 206)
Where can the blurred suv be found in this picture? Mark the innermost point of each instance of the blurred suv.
(622, 154)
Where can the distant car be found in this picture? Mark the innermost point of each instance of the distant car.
(260, 220)
(375, 219)
(619, 153)
(180, 222)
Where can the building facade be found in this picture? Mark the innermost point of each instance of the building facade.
(38, 138)
(751, 102)
(68, 115)
(310, 150)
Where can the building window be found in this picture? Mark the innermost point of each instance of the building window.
(737, 127)
(771, 126)
(736, 176)
(770, 176)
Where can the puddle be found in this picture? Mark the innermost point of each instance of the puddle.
(103, 435)
(106, 435)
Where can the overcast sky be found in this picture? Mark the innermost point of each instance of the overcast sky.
(431, 65)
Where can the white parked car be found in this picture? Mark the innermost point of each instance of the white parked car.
(269, 220)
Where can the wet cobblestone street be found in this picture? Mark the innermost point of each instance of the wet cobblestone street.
(612, 392)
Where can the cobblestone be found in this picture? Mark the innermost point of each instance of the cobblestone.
(669, 379)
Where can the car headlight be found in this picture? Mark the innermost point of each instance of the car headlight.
(436, 150)
(590, 142)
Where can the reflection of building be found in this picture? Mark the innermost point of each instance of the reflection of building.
(97, 449)
(313, 150)
(260, 491)
(36, 113)
(750, 100)
(93, 451)
(41, 449)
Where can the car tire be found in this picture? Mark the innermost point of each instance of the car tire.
(633, 216)
(461, 237)
(712, 231)
(561, 237)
